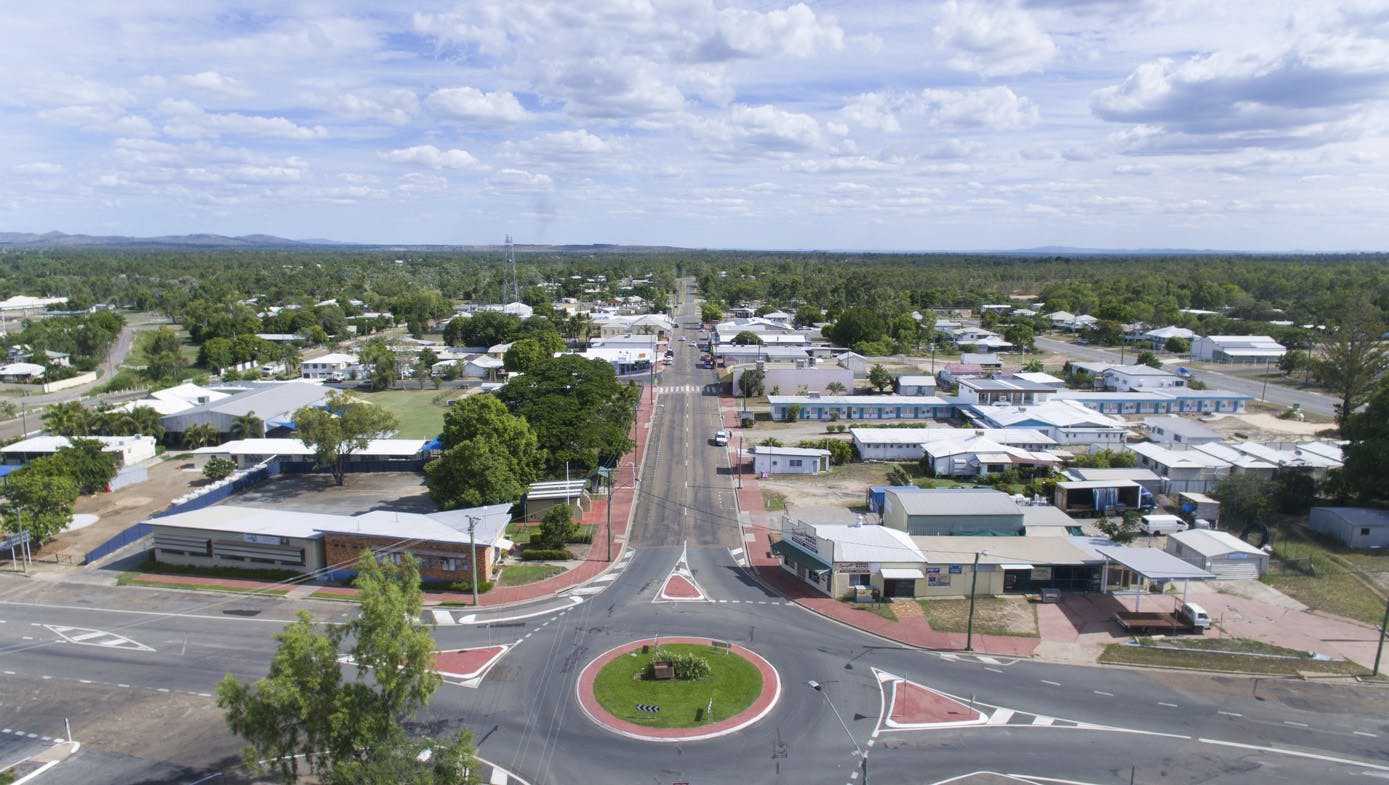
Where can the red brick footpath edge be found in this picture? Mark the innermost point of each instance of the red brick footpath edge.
(913, 632)
(595, 562)
(771, 693)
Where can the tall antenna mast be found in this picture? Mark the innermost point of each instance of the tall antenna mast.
(515, 277)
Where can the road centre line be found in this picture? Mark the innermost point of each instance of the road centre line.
(1295, 724)
(1293, 753)
(1229, 713)
(1366, 733)
(1168, 705)
(1102, 692)
(1052, 683)
(995, 670)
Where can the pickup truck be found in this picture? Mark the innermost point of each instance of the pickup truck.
(1189, 618)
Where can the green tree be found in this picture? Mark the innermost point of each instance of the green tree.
(747, 338)
(807, 316)
(39, 503)
(146, 422)
(247, 426)
(855, 326)
(579, 411)
(1294, 361)
(523, 354)
(305, 712)
(69, 418)
(473, 473)
(709, 312)
(1177, 345)
(344, 425)
(216, 354)
(200, 434)
(1149, 359)
(1244, 499)
(83, 461)
(1122, 530)
(218, 468)
(836, 388)
(1367, 450)
(1032, 366)
(382, 367)
(1354, 357)
(484, 328)
(879, 377)
(752, 382)
(1020, 335)
(557, 526)
(163, 354)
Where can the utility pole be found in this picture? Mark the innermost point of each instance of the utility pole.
(973, 582)
(472, 556)
(610, 516)
(739, 463)
(1380, 651)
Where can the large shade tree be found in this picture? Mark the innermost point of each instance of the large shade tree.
(343, 425)
(490, 455)
(1353, 356)
(578, 409)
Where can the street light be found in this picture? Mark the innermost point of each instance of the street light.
(862, 758)
(973, 582)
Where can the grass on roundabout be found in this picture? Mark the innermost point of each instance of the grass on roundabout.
(733, 683)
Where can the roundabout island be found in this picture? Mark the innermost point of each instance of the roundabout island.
(621, 691)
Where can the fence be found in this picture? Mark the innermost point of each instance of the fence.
(129, 476)
(129, 535)
(222, 489)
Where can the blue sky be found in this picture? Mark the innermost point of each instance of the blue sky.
(838, 125)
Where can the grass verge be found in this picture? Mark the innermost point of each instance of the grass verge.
(1223, 654)
(160, 568)
(733, 684)
(521, 574)
(134, 581)
(992, 616)
(883, 609)
(1332, 587)
(773, 500)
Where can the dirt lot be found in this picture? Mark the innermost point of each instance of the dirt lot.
(1262, 427)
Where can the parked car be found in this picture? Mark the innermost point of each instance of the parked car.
(721, 438)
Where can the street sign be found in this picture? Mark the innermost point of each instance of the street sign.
(13, 541)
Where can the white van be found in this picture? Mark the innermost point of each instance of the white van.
(1161, 524)
(1195, 615)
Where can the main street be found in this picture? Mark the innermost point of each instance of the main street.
(133, 670)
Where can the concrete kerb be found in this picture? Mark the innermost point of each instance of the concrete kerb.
(49, 758)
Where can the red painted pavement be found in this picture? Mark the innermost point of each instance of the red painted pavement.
(771, 691)
(678, 587)
(466, 663)
(913, 704)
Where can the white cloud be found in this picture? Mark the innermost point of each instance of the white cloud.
(795, 32)
(393, 106)
(432, 157)
(874, 111)
(186, 120)
(520, 181)
(477, 107)
(764, 130)
(39, 167)
(988, 107)
(607, 88)
(993, 39)
(214, 82)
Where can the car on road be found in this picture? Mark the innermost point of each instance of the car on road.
(721, 438)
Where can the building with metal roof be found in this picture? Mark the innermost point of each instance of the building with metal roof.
(274, 403)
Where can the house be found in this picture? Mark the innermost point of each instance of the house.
(542, 496)
(1146, 478)
(1181, 470)
(954, 372)
(336, 366)
(983, 391)
(1357, 527)
(1236, 348)
(779, 317)
(951, 511)
(1174, 400)
(129, 450)
(1240, 462)
(1220, 553)
(21, 372)
(978, 456)
(482, 367)
(624, 360)
(246, 453)
(1123, 378)
(1037, 377)
(985, 360)
(916, 384)
(908, 444)
(1067, 422)
(1012, 565)
(1180, 431)
(1159, 337)
(652, 324)
(274, 403)
(1098, 497)
(767, 461)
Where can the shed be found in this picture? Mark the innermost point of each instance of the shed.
(1358, 527)
(767, 461)
(1220, 553)
(1098, 497)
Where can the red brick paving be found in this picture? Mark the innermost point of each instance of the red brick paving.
(771, 692)
(678, 587)
(913, 704)
(466, 663)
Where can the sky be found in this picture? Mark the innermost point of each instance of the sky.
(842, 124)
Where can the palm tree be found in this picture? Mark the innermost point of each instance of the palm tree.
(836, 388)
(247, 426)
(69, 418)
(147, 423)
(200, 435)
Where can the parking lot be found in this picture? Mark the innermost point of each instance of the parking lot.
(399, 491)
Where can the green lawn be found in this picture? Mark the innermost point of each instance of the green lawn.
(733, 684)
(1333, 588)
(1223, 654)
(419, 415)
(521, 574)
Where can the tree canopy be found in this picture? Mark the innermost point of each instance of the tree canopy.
(342, 426)
(1367, 450)
(306, 713)
(578, 409)
(490, 455)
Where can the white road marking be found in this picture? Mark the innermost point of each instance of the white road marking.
(1230, 713)
(987, 658)
(1168, 705)
(1001, 717)
(1042, 721)
(1295, 724)
(1294, 753)
(1102, 692)
(1052, 683)
(995, 670)
(441, 617)
(1366, 733)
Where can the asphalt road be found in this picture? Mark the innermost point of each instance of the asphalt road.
(1313, 402)
(134, 669)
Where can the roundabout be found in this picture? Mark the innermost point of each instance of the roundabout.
(740, 677)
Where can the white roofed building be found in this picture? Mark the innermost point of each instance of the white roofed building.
(1236, 348)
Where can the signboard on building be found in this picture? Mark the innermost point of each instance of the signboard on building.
(805, 538)
(854, 567)
(957, 569)
(261, 539)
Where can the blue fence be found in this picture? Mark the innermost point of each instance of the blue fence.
(222, 492)
(131, 534)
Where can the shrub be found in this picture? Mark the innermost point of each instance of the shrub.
(218, 468)
(557, 526)
(546, 554)
(687, 666)
(461, 586)
(748, 421)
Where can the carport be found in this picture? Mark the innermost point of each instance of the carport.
(1151, 564)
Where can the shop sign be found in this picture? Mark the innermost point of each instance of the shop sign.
(1041, 573)
(957, 569)
(261, 539)
(853, 566)
(805, 539)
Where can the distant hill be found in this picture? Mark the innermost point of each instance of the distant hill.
(1061, 250)
(63, 240)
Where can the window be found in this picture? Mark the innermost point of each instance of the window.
(795, 461)
(860, 579)
(1365, 532)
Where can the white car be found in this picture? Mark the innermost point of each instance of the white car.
(721, 438)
